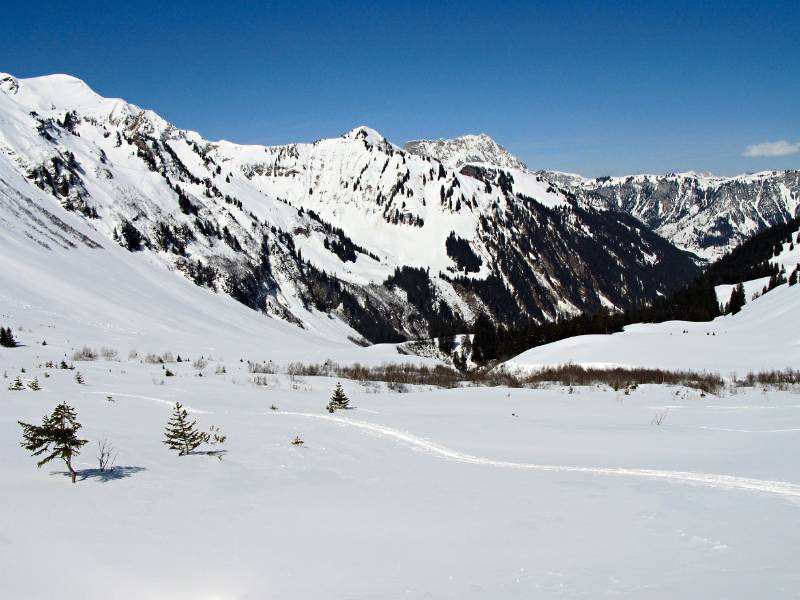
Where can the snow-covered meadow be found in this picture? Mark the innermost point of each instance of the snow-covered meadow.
(461, 493)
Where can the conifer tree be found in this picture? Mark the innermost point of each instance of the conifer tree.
(181, 434)
(339, 399)
(57, 436)
(6, 338)
(793, 276)
(17, 385)
(738, 299)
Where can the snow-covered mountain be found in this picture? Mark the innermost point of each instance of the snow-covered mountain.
(705, 214)
(457, 152)
(393, 244)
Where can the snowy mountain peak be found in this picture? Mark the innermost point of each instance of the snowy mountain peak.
(459, 151)
(362, 132)
(67, 89)
(8, 84)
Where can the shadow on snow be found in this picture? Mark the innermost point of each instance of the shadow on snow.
(103, 476)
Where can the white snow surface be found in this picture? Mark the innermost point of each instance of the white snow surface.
(427, 494)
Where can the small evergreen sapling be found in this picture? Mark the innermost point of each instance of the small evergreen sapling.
(34, 385)
(17, 385)
(338, 400)
(57, 436)
(79, 378)
(181, 434)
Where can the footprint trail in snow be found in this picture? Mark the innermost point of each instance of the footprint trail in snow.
(783, 489)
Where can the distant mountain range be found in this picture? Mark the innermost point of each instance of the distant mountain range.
(704, 214)
(395, 243)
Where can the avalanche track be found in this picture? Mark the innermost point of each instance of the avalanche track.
(783, 489)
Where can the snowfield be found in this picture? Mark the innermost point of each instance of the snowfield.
(427, 494)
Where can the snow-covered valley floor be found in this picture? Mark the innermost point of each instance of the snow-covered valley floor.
(425, 494)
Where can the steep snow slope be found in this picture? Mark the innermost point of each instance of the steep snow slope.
(64, 283)
(764, 335)
(394, 244)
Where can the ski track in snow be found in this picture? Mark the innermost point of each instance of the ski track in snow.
(746, 430)
(782, 489)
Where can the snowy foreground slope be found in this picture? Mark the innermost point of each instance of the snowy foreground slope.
(765, 335)
(428, 494)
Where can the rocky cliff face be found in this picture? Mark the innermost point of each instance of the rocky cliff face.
(466, 149)
(707, 215)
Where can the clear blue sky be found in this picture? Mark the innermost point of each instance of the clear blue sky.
(593, 87)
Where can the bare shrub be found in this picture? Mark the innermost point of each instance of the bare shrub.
(167, 357)
(659, 417)
(109, 353)
(771, 378)
(214, 436)
(262, 367)
(618, 378)
(107, 455)
(153, 359)
(395, 386)
(566, 375)
(84, 353)
(200, 364)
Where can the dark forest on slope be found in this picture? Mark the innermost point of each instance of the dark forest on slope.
(696, 301)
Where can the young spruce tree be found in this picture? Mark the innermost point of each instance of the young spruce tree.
(338, 400)
(57, 437)
(181, 434)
